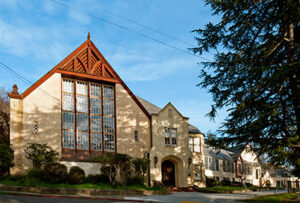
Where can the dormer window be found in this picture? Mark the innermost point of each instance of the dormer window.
(170, 136)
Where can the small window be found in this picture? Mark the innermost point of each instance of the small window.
(170, 136)
(36, 127)
(136, 135)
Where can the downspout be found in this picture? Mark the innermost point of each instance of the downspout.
(148, 154)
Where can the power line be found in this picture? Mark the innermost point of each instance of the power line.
(128, 29)
(20, 77)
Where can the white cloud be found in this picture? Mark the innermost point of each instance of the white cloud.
(25, 40)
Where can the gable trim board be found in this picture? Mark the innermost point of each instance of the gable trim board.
(59, 68)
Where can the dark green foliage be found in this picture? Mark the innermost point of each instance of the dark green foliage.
(76, 175)
(36, 173)
(97, 179)
(140, 166)
(226, 183)
(116, 164)
(56, 173)
(255, 75)
(136, 180)
(6, 158)
(4, 116)
(210, 182)
(29, 181)
(40, 154)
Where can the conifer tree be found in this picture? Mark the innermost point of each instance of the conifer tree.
(255, 74)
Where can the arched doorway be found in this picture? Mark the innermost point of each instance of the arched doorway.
(168, 173)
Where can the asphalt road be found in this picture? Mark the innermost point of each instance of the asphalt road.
(177, 197)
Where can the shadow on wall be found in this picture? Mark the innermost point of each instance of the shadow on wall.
(39, 126)
(131, 118)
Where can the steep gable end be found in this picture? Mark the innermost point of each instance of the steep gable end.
(86, 62)
(89, 61)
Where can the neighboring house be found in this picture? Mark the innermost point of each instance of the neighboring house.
(280, 178)
(235, 164)
(82, 108)
(247, 165)
(219, 164)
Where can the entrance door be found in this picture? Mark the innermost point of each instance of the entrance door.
(168, 173)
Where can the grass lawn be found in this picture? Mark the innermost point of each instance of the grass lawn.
(287, 197)
(15, 181)
(222, 188)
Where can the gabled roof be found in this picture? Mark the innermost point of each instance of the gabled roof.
(153, 109)
(194, 130)
(236, 151)
(87, 62)
(219, 154)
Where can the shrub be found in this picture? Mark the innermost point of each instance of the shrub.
(249, 184)
(116, 164)
(157, 184)
(31, 182)
(76, 175)
(268, 183)
(141, 166)
(136, 180)
(95, 179)
(210, 182)
(56, 173)
(40, 154)
(36, 173)
(226, 183)
(237, 184)
(6, 158)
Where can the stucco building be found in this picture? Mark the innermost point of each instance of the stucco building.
(82, 108)
(239, 164)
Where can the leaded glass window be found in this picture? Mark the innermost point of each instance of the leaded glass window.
(194, 144)
(68, 114)
(92, 121)
(174, 136)
(167, 136)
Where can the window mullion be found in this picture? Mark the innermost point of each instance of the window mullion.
(75, 112)
(89, 115)
(102, 118)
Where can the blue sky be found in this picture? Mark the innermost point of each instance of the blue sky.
(37, 35)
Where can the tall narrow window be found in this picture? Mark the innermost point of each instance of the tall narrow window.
(82, 115)
(95, 116)
(174, 136)
(136, 135)
(217, 164)
(108, 118)
(167, 136)
(68, 114)
(206, 163)
(191, 144)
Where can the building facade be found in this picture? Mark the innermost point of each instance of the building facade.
(239, 164)
(82, 108)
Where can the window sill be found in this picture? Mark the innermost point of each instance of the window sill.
(170, 145)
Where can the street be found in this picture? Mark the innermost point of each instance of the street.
(176, 197)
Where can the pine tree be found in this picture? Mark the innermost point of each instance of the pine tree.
(255, 74)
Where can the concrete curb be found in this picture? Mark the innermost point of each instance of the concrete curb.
(109, 198)
(81, 192)
(227, 192)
